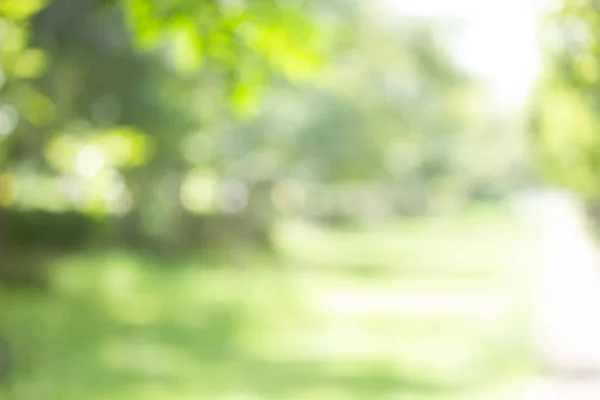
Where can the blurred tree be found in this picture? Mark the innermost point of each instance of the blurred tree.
(101, 108)
(566, 117)
(242, 41)
(19, 64)
(393, 111)
(169, 118)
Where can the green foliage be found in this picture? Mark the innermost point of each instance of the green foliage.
(566, 106)
(152, 112)
(20, 10)
(54, 231)
(19, 63)
(31, 240)
(244, 40)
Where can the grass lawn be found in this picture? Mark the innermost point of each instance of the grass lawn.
(416, 309)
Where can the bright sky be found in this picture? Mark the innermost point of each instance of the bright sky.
(500, 41)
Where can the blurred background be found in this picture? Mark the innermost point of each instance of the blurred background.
(292, 199)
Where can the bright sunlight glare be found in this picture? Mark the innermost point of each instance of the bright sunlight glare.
(498, 43)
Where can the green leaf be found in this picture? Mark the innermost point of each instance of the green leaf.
(188, 48)
(20, 9)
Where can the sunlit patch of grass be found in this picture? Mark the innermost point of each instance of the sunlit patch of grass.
(437, 317)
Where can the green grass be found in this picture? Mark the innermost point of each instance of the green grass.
(419, 309)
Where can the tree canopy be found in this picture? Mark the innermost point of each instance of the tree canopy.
(149, 112)
(566, 117)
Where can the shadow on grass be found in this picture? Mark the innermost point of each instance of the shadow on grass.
(118, 328)
(72, 348)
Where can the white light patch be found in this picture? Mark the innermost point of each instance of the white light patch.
(89, 162)
(499, 44)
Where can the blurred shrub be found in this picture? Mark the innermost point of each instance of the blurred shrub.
(30, 240)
